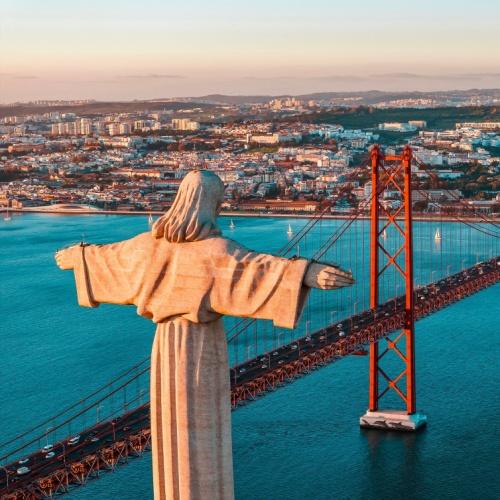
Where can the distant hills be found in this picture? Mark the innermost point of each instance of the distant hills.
(367, 97)
(210, 101)
(100, 107)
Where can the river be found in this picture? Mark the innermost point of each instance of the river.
(301, 442)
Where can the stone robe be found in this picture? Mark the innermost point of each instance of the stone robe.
(186, 288)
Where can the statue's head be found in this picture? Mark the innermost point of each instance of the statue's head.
(193, 214)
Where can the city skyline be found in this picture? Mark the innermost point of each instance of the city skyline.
(125, 50)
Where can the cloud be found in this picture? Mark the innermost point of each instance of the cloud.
(117, 79)
(444, 77)
(268, 78)
(482, 75)
(399, 75)
(327, 78)
(113, 82)
(338, 78)
(14, 76)
(153, 76)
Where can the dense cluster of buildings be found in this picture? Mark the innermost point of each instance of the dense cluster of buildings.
(55, 124)
(135, 161)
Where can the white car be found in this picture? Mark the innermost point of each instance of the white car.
(50, 454)
(23, 470)
(47, 448)
(73, 440)
(23, 461)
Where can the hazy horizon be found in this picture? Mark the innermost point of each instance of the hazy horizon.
(235, 94)
(124, 50)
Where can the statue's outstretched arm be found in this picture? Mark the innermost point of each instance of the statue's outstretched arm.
(326, 276)
(65, 258)
(264, 286)
(107, 273)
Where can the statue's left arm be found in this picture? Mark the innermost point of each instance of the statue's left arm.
(105, 273)
(263, 286)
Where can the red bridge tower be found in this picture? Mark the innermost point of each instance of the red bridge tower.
(392, 363)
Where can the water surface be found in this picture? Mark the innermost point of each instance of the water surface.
(301, 442)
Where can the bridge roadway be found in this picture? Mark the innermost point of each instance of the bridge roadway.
(267, 372)
(107, 444)
(96, 449)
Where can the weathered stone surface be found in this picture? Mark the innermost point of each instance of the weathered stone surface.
(184, 276)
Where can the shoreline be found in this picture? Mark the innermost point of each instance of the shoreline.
(416, 217)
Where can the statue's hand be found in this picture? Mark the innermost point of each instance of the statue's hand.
(327, 277)
(64, 258)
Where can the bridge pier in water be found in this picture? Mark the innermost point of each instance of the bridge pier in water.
(393, 175)
(393, 420)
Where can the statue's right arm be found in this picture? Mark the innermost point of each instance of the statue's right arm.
(108, 273)
(326, 276)
(65, 258)
(68, 258)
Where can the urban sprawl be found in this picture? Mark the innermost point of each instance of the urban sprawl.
(274, 157)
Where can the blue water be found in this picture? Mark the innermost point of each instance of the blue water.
(301, 442)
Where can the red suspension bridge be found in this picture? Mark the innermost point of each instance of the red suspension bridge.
(413, 269)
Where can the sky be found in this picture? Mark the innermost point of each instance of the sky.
(124, 49)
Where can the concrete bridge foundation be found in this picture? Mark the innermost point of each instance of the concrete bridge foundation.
(393, 420)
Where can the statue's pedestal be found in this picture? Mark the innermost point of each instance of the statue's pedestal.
(392, 420)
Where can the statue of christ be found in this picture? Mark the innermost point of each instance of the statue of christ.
(185, 276)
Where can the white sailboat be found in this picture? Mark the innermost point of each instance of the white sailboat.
(290, 230)
(384, 234)
(150, 220)
(437, 235)
(231, 224)
(7, 217)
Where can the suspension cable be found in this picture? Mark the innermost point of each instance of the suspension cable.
(72, 406)
(34, 440)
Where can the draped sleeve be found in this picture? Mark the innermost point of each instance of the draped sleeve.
(110, 273)
(260, 286)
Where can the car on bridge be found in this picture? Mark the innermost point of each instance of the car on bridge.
(74, 440)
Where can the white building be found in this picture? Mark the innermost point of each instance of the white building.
(397, 127)
(184, 124)
(78, 127)
(429, 157)
(418, 123)
(276, 138)
(113, 128)
(479, 125)
(125, 128)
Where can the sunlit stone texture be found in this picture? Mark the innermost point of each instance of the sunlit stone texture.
(184, 276)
